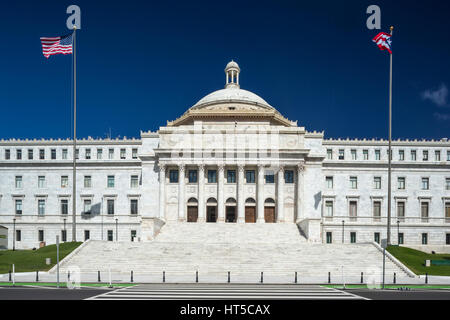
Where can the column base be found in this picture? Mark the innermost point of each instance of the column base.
(201, 220)
(220, 220)
(241, 220)
(260, 221)
(181, 219)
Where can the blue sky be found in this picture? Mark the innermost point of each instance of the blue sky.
(141, 63)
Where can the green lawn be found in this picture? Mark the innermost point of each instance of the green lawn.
(388, 286)
(415, 260)
(32, 260)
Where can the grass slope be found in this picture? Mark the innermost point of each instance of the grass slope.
(32, 260)
(415, 260)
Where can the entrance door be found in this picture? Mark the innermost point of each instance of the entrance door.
(250, 214)
(269, 214)
(192, 214)
(231, 214)
(211, 214)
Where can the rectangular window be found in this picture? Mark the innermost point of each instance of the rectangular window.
(18, 204)
(19, 154)
(87, 206)
(231, 176)
(269, 176)
(41, 154)
(64, 181)
(99, 154)
(328, 208)
(64, 154)
(448, 155)
(110, 235)
(447, 212)
(111, 154)
(19, 182)
(447, 183)
(41, 207)
(110, 206)
(173, 176)
(413, 155)
(425, 183)
(447, 238)
(341, 154)
(401, 210)
(366, 154)
(376, 237)
(377, 182)
(134, 153)
(133, 206)
(353, 153)
(288, 176)
(41, 235)
(353, 182)
(134, 183)
(425, 155)
(77, 154)
(329, 154)
(377, 210)
(377, 155)
(192, 176)
(401, 155)
(30, 154)
(7, 154)
(53, 154)
(437, 155)
(110, 182)
(87, 181)
(250, 176)
(64, 206)
(41, 182)
(212, 176)
(63, 235)
(400, 238)
(86, 235)
(424, 211)
(329, 237)
(329, 182)
(87, 154)
(424, 238)
(18, 235)
(401, 181)
(122, 153)
(133, 235)
(353, 210)
(352, 237)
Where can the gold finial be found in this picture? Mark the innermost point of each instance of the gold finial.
(392, 28)
(75, 27)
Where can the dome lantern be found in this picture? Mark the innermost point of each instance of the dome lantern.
(232, 74)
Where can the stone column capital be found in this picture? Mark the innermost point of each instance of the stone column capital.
(301, 167)
(181, 167)
(201, 167)
(162, 167)
(221, 167)
(241, 167)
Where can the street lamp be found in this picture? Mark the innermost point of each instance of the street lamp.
(343, 222)
(117, 229)
(14, 234)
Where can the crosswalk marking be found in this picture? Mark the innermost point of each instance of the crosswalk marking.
(223, 292)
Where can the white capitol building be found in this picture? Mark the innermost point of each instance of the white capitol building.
(232, 158)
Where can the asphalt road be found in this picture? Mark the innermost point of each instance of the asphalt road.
(413, 294)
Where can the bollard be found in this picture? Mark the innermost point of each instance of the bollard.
(68, 276)
(362, 277)
(329, 277)
(426, 278)
(196, 276)
(10, 279)
(37, 276)
(98, 274)
(262, 277)
(228, 276)
(295, 276)
(164, 276)
(395, 276)
(131, 275)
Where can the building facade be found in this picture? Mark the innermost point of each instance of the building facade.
(230, 158)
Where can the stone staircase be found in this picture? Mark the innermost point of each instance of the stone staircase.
(238, 248)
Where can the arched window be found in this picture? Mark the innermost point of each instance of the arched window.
(231, 201)
(269, 200)
(192, 201)
(211, 201)
(250, 200)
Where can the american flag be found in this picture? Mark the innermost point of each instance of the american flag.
(383, 41)
(56, 45)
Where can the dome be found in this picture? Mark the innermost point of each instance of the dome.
(231, 65)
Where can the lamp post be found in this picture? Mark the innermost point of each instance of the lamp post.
(14, 234)
(343, 222)
(117, 230)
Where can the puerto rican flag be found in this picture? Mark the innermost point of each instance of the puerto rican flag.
(383, 41)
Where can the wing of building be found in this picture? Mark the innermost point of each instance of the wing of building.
(230, 158)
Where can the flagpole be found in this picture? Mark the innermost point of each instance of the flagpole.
(390, 150)
(74, 183)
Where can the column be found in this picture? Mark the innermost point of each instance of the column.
(280, 194)
(162, 189)
(181, 193)
(260, 195)
(220, 203)
(240, 195)
(300, 187)
(201, 193)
